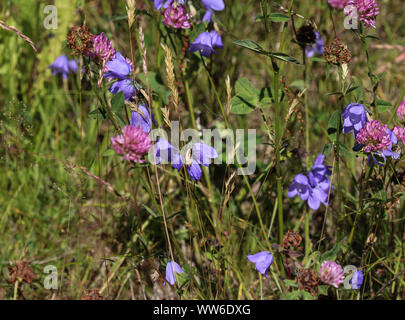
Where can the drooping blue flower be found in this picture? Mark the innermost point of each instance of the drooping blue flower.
(126, 86)
(205, 43)
(172, 268)
(159, 3)
(210, 7)
(262, 261)
(197, 154)
(62, 65)
(357, 280)
(354, 118)
(313, 188)
(73, 66)
(142, 118)
(317, 47)
(120, 68)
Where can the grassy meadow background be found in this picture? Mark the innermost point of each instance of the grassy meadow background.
(67, 200)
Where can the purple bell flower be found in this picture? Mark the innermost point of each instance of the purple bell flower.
(357, 280)
(317, 47)
(120, 68)
(205, 43)
(142, 118)
(172, 268)
(199, 154)
(159, 3)
(262, 261)
(211, 6)
(313, 188)
(354, 118)
(126, 86)
(60, 66)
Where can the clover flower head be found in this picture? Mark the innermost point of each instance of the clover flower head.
(338, 3)
(176, 16)
(132, 144)
(374, 137)
(367, 11)
(354, 118)
(399, 133)
(262, 261)
(103, 50)
(331, 273)
(401, 111)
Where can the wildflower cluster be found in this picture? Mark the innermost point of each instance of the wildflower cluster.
(372, 137)
(315, 187)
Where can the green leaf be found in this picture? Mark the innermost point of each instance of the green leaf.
(284, 57)
(299, 84)
(316, 59)
(330, 255)
(150, 211)
(98, 113)
(246, 99)
(245, 88)
(345, 151)
(333, 126)
(266, 97)
(327, 149)
(157, 85)
(383, 106)
(242, 106)
(251, 45)
(118, 102)
(274, 17)
(109, 153)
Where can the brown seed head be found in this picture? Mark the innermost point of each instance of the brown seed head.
(292, 239)
(21, 272)
(80, 40)
(93, 295)
(337, 52)
(308, 280)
